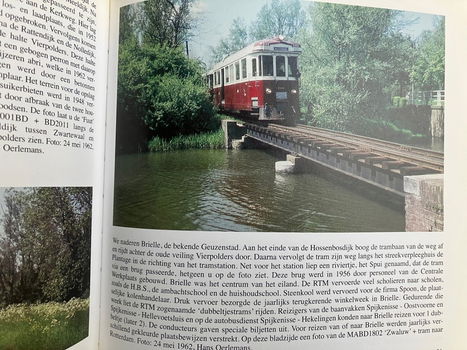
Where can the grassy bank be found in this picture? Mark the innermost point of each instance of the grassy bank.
(210, 140)
(389, 131)
(48, 326)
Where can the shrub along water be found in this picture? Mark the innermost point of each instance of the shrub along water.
(161, 93)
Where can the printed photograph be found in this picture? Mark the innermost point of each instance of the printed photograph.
(45, 255)
(279, 116)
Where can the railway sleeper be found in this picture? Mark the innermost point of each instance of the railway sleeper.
(355, 155)
(323, 144)
(377, 160)
(416, 170)
(395, 164)
(340, 149)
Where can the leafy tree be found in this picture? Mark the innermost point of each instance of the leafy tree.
(428, 70)
(45, 249)
(237, 39)
(280, 17)
(166, 22)
(160, 91)
(351, 56)
(129, 22)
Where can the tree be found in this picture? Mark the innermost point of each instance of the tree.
(351, 56)
(428, 70)
(45, 249)
(166, 22)
(237, 39)
(161, 92)
(280, 17)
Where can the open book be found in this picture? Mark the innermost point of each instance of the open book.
(128, 222)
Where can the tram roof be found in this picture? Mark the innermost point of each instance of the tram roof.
(272, 45)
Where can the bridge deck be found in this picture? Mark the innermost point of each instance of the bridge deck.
(378, 162)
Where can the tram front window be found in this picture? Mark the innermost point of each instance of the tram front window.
(268, 67)
(280, 66)
(292, 66)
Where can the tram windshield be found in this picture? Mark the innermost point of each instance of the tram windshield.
(268, 67)
(280, 66)
(293, 70)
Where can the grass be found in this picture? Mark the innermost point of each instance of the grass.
(389, 131)
(48, 326)
(210, 140)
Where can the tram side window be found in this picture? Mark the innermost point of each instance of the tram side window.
(244, 68)
(253, 67)
(293, 70)
(268, 68)
(227, 74)
(260, 61)
(237, 71)
(280, 66)
(231, 72)
(219, 77)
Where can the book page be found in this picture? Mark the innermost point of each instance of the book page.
(53, 59)
(285, 235)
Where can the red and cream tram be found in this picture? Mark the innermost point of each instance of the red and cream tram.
(260, 80)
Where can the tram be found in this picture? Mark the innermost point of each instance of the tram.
(259, 81)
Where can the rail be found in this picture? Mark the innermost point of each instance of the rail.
(398, 158)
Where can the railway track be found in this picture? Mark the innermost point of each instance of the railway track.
(398, 158)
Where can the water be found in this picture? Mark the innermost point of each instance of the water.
(238, 191)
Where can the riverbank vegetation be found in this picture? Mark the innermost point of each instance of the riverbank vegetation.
(209, 140)
(48, 326)
(161, 92)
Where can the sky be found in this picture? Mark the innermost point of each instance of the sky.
(215, 18)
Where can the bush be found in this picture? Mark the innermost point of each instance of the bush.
(177, 107)
(160, 93)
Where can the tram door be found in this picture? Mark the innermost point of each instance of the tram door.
(222, 86)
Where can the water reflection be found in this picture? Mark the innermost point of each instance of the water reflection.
(237, 191)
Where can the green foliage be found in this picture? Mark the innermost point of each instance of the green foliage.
(237, 39)
(428, 70)
(211, 140)
(49, 326)
(177, 106)
(395, 101)
(387, 130)
(351, 57)
(411, 117)
(160, 92)
(157, 22)
(45, 250)
(279, 17)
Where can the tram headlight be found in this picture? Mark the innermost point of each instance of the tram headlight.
(268, 90)
(293, 91)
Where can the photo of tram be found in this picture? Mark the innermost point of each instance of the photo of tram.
(259, 81)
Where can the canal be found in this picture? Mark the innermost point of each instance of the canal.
(223, 190)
